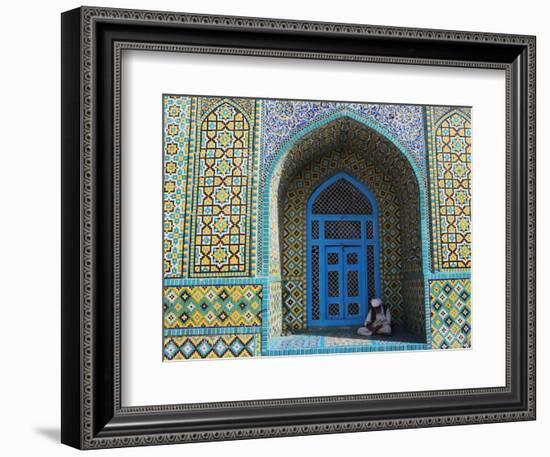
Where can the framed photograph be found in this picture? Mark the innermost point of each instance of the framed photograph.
(275, 227)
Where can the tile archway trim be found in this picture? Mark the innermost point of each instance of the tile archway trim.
(271, 235)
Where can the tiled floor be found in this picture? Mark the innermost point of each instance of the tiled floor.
(339, 340)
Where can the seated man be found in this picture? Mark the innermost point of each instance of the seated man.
(378, 321)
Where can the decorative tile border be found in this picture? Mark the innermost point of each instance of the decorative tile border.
(221, 213)
(451, 313)
(210, 347)
(284, 118)
(212, 306)
(449, 157)
(311, 345)
(177, 138)
(194, 331)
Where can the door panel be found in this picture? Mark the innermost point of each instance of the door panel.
(343, 291)
(334, 283)
(343, 269)
(354, 300)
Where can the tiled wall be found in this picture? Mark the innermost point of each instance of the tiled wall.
(294, 255)
(236, 175)
(451, 313)
(449, 143)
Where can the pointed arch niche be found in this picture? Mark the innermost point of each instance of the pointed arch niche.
(347, 145)
(223, 166)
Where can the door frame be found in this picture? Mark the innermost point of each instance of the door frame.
(363, 243)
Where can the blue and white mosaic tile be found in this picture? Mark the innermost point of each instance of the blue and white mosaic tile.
(225, 291)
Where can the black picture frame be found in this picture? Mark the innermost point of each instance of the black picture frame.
(92, 414)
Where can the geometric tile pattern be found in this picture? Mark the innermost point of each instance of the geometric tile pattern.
(414, 308)
(294, 255)
(221, 231)
(275, 311)
(177, 137)
(218, 158)
(212, 306)
(210, 347)
(333, 344)
(450, 177)
(207, 104)
(294, 303)
(282, 119)
(451, 313)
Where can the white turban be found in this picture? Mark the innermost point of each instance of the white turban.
(376, 302)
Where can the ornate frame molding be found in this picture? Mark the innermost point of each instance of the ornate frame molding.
(93, 416)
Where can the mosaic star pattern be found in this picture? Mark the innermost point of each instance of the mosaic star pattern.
(450, 175)
(234, 221)
(221, 207)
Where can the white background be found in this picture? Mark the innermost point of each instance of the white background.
(30, 243)
(147, 75)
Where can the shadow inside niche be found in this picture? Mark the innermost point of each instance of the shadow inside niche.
(398, 334)
(51, 433)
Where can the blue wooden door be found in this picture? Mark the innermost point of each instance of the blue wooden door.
(343, 298)
(343, 265)
(355, 303)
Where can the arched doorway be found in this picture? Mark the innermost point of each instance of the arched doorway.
(343, 252)
(346, 144)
